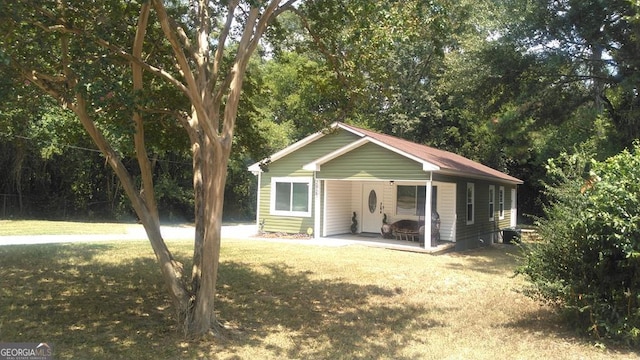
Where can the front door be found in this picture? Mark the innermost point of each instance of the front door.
(372, 207)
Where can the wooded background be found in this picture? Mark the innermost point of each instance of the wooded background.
(509, 83)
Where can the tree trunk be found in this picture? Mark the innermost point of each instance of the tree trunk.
(214, 99)
(170, 268)
(214, 173)
(199, 201)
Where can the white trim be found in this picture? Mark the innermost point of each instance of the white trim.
(501, 196)
(258, 202)
(316, 164)
(255, 168)
(317, 204)
(272, 201)
(427, 216)
(471, 186)
(492, 202)
(469, 175)
(426, 166)
(514, 208)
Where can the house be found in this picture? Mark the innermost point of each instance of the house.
(317, 184)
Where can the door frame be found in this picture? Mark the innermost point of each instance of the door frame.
(370, 222)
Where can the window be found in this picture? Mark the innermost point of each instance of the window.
(501, 203)
(470, 201)
(291, 196)
(492, 199)
(410, 200)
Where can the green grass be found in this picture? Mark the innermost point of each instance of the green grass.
(282, 300)
(44, 227)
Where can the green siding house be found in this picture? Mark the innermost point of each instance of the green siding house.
(317, 184)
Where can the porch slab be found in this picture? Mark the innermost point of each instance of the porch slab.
(376, 240)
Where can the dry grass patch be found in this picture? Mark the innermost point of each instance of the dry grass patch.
(280, 300)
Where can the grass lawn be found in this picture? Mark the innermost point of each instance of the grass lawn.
(45, 227)
(282, 300)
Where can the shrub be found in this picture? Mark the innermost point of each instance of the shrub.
(589, 262)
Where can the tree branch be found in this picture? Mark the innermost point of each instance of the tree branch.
(146, 171)
(64, 28)
(217, 60)
(193, 94)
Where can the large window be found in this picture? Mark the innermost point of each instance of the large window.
(501, 203)
(410, 200)
(492, 199)
(291, 196)
(470, 202)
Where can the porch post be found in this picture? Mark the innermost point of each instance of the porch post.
(427, 215)
(258, 220)
(317, 227)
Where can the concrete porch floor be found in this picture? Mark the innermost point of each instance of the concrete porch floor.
(376, 240)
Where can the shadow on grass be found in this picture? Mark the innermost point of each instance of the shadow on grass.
(90, 307)
(325, 318)
(87, 308)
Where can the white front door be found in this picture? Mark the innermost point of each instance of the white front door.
(372, 207)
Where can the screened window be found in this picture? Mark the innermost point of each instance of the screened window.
(411, 199)
(501, 202)
(470, 202)
(291, 196)
(492, 199)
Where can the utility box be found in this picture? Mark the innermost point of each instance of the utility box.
(511, 236)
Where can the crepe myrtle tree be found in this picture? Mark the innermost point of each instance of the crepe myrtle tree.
(119, 66)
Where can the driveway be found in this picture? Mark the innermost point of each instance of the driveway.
(245, 232)
(134, 232)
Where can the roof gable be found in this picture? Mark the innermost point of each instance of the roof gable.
(432, 159)
(446, 161)
(316, 164)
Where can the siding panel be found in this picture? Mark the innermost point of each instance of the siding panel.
(371, 161)
(447, 210)
(339, 212)
(291, 166)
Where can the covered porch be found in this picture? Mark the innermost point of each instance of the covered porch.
(371, 240)
(356, 210)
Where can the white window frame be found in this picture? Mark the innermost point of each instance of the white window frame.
(492, 202)
(291, 180)
(416, 209)
(470, 201)
(501, 203)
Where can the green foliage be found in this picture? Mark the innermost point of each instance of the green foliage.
(589, 263)
(387, 57)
